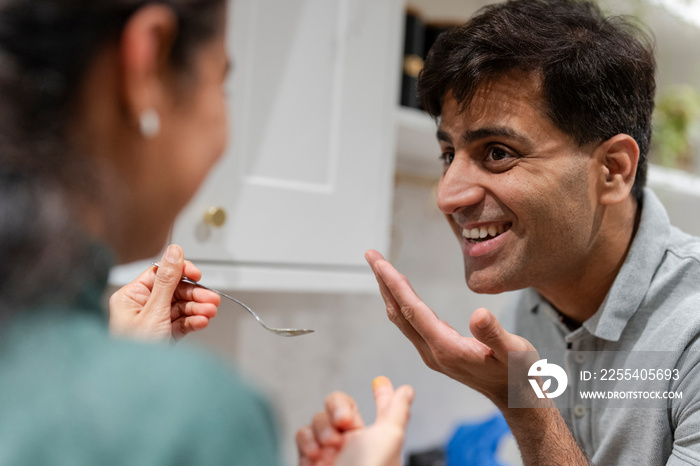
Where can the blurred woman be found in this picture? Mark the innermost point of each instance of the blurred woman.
(111, 114)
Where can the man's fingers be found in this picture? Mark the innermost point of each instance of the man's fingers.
(342, 412)
(372, 256)
(415, 311)
(486, 328)
(393, 309)
(393, 406)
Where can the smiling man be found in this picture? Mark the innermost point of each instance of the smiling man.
(544, 110)
(522, 195)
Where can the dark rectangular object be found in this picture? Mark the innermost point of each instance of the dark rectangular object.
(433, 457)
(414, 54)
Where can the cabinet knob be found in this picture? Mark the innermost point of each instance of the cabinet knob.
(215, 216)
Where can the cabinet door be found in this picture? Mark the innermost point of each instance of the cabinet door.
(306, 182)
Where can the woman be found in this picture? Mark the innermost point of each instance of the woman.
(111, 114)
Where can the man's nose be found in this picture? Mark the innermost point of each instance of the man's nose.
(460, 186)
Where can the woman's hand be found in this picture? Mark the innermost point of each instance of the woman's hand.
(158, 306)
(337, 436)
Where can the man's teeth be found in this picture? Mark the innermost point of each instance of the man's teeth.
(484, 231)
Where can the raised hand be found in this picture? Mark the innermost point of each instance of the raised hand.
(337, 435)
(480, 362)
(158, 306)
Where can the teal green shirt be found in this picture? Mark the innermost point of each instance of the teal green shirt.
(71, 395)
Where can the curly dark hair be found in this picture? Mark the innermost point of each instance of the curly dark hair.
(597, 72)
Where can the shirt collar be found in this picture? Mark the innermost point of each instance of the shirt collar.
(634, 279)
(635, 276)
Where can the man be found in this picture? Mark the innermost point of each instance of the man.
(544, 110)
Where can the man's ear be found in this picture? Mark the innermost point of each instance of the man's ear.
(617, 158)
(144, 50)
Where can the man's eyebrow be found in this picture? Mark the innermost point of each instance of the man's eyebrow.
(482, 133)
(443, 136)
(501, 131)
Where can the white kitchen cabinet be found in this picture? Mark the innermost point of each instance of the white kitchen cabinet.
(307, 181)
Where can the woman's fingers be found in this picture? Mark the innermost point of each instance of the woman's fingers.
(383, 393)
(393, 406)
(191, 271)
(323, 443)
(185, 325)
(342, 412)
(192, 308)
(167, 278)
(320, 442)
(325, 433)
(307, 446)
(189, 292)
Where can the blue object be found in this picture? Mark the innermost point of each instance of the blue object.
(476, 444)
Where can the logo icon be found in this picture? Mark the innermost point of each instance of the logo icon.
(542, 369)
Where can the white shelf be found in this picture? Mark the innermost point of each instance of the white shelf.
(255, 277)
(679, 191)
(676, 180)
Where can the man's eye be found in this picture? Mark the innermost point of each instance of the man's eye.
(497, 153)
(447, 158)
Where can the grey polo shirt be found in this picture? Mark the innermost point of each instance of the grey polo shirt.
(653, 305)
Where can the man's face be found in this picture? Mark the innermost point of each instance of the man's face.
(519, 193)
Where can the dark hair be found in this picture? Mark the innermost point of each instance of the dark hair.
(597, 73)
(46, 47)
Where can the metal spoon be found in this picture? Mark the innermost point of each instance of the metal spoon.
(285, 332)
